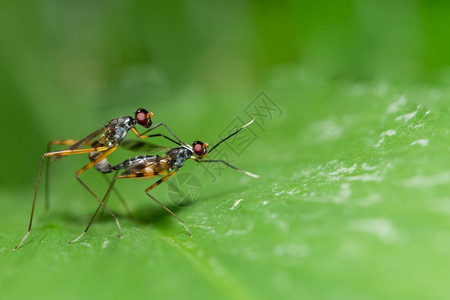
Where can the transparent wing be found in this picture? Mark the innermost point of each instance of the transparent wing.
(143, 147)
(84, 141)
(89, 138)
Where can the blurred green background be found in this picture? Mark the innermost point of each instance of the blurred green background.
(353, 196)
(67, 67)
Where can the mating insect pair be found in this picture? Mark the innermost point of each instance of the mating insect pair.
(107, 139)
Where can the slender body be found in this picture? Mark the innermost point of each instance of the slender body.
(146, 166)
(98, 145)
(158, 165)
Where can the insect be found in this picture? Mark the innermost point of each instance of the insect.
(146, 166)
(99, 144)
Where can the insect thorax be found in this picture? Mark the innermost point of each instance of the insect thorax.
(178, 156)
(119, 129)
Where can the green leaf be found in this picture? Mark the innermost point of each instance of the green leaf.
(352, 202)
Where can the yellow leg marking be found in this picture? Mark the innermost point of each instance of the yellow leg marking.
(142, 175)
(75, 151)
(91, 164)
(160, 181)
(63, 142)
(49, 154)
(47, 184)
(144, 135)
(162, 205)
(101, 202)
(61, 153)
(136, 133)
(68, 142)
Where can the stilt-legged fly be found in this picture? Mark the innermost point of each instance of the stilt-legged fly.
(99, 144)
(146, 166)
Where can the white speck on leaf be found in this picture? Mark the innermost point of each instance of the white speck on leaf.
(208, 228)
(394, 107)
(421, 181)
(344, 170)
(240, 231)
(390, 132)
(422, 142)
(366, 167)
(236, 203)
(365, 178)
(406, 117)
(340, 172)
(383, 135)
(326, 130)
(293, 191)
(105, 244)
(382, 228)
(278, 193)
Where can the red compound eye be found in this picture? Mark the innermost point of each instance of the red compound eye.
(198, 148)
(142, 117)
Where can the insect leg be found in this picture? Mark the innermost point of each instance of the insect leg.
(134, 175)
(143, 136)
(45, 155)
(47, 167)
(162, 205)
(87, 167)
(101, 204)
(121, 199)
(143, 175)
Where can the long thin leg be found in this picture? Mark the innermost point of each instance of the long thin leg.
(162, 135)
(36, 188)
(104, 154)
(121, 199)
(143, 175)
(167, 128)
(143, 135)
(162, 205)
(87, 167)
(69, 143)
(227, 164)
(47, 167)
(103, 205)
(134, 175)
(111, 185)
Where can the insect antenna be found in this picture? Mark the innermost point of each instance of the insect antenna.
(228, 165)
(234, 133)
(201, 160)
